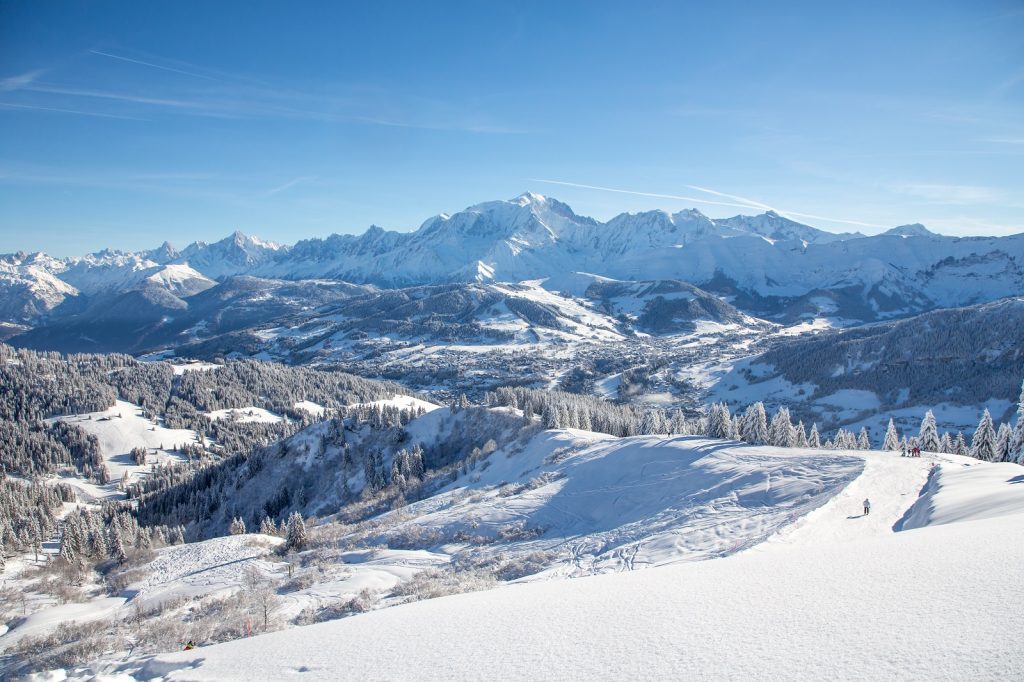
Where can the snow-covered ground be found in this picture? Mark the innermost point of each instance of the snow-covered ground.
(764, 567)
(841, 596)
(245, 414)
(119, 430)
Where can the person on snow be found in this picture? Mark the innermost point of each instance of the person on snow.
(189, 645)
(867, 506)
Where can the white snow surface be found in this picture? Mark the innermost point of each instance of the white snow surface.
(119, 429)
(890, 606)
(245, 414)
(202, 568)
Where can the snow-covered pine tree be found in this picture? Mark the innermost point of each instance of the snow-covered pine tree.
(117, 545)
(960, 444)
(237, 526)
(892, 438)
(863, 441)
(755, 424)
(295, 537)
(267, 526)
(719, 421)
(814, 438)
(780, 432)
(928, 438)
(1003, 436)
(983, 445)
(801, 435)
(1017, 439)
(946, 444)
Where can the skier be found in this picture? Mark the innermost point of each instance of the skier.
(189, 645)
(867, 506)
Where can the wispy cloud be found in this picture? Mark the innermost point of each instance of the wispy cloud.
(638, 194)
(749, 202)
(20, 81)
(195, 106)
(739, 202)
(152, 65)
(1012, 141)
(288, 185)
(949, 194)
(77, 112)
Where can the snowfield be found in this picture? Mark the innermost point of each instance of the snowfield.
(798, 582)
(120, 429)
(933, 603)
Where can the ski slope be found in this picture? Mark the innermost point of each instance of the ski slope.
(798, 584)
(893, 606)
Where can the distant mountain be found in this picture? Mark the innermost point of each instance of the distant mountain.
(766, 265)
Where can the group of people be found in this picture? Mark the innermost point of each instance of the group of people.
(911, 451)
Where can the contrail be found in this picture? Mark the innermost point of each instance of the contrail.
(749, 203)
(154, 66)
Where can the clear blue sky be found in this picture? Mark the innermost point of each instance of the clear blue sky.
(126, 123)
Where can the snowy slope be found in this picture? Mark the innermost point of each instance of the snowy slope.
(889, 607)
(966, 489)
(120, 429)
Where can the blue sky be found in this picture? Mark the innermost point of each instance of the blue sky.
(125, 123)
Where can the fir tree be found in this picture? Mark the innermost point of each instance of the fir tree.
(863, 441)
(983, 445)
(892, 438)
(814, 438)
(237, 526)
(1003, 436)
(116, 545)
(1016, 448)
(780, 433)
(801, 435)
(719, 421)
(755, 424)
(296, 534)
(960, 445)
(928, 439)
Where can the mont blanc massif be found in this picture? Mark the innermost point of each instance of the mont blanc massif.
(448, 453)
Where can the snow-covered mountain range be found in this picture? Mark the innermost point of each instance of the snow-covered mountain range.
(767, 265)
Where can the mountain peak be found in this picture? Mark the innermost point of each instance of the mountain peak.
(530, 198)
(912, 230)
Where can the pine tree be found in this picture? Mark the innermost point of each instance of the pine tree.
(780, 433)
(67, 546)
(296, 535)
(719, 421)
(960, 445)
(928, 439)
(267, 526)
(814, 438)
(1003, 436)
(755, 424)
(946, 444)
(116, 544)
(892, 438)
(983, 445)
(237, 526)
(1017, 439)
(801, 435)
(863, 441)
